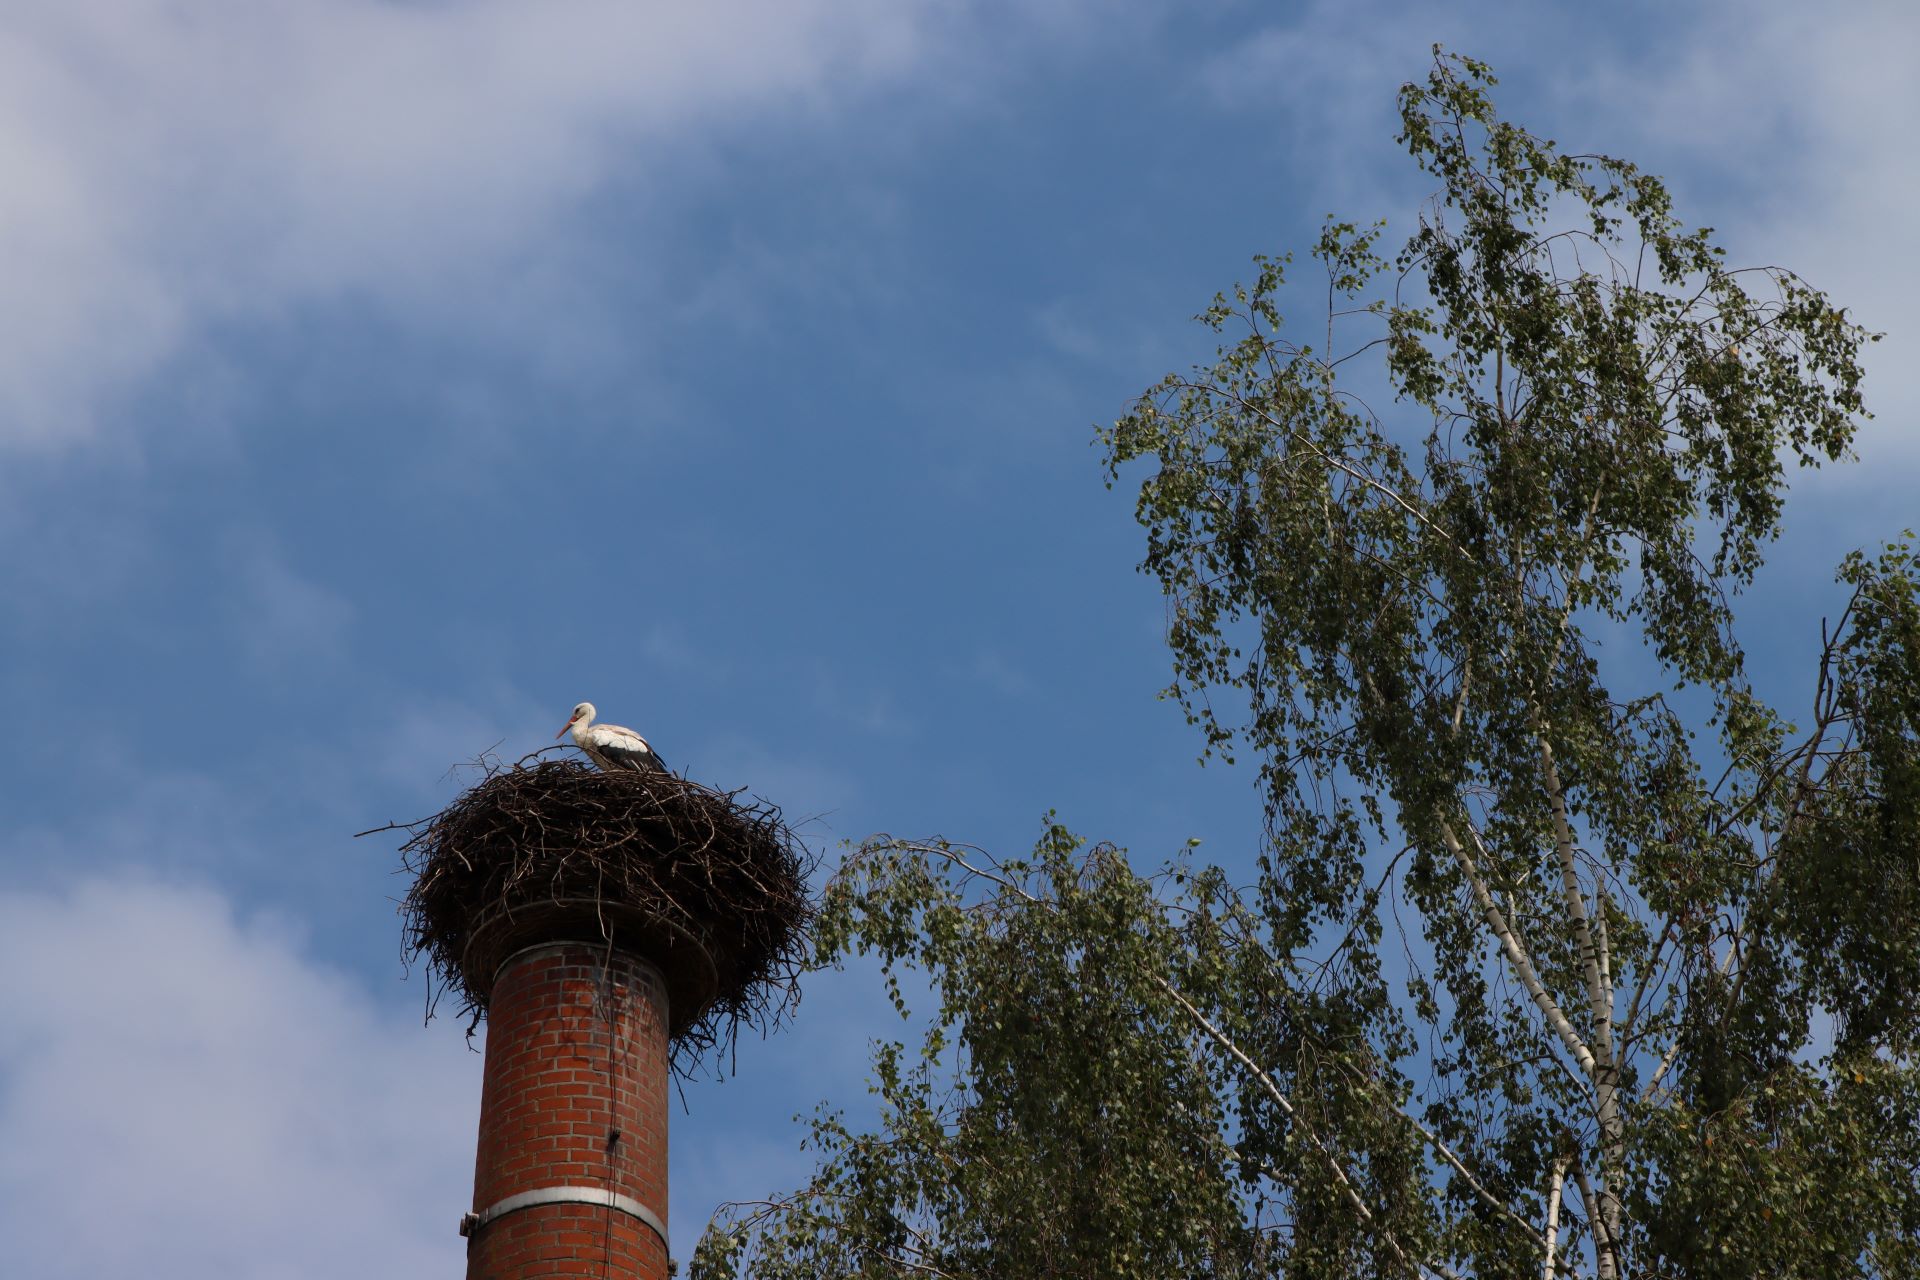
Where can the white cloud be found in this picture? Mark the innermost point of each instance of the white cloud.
(1808, 116)
(183, 1093)
(173, 166)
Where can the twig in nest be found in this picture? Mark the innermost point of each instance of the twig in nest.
(713, 882)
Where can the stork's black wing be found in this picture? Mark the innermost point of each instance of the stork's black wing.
(641, 757)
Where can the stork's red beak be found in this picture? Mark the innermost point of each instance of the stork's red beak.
(563, 731)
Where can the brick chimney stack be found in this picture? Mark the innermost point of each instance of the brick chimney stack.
(610, 926)
(570, 1179)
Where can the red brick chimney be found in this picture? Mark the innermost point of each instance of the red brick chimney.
(571, 1174)
(607, 925)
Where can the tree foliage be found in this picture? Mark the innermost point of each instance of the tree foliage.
(1566, 950)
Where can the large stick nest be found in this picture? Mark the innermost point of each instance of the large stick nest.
(710, 886)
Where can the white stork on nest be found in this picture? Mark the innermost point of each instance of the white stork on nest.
(613, 747)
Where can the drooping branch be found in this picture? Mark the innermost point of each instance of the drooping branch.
(1272, 1088)
(1331, 460)
(1274, 1091)
(1672, 1054)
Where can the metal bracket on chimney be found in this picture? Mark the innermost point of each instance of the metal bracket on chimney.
(600, 1197)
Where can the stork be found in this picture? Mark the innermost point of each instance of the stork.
(613, 747)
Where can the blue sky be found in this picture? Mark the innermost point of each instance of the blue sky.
(379, 378)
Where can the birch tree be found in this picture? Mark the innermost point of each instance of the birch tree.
(1568, 952)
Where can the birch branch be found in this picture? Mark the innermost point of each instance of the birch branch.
(1335, 461)
(1606, 1259)
(1673, 1050)
(1599, 997)
(1516, 954)
(1273, 1091)
(1261, 1167)
(1553, 1214)
(1600, 937)
(1656, 962)
(1447, 1154)
(1486, 1197)
(1266, 1081)
(1466, 683)
(1666, 1061)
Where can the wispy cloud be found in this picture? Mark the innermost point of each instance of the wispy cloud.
(1805, 118)
(176, 166)
(1786, 128)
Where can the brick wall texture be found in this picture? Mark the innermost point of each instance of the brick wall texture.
(575, 1094)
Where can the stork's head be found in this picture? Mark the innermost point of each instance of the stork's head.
(582, 717)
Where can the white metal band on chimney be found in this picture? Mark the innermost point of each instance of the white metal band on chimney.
(599, 1197)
